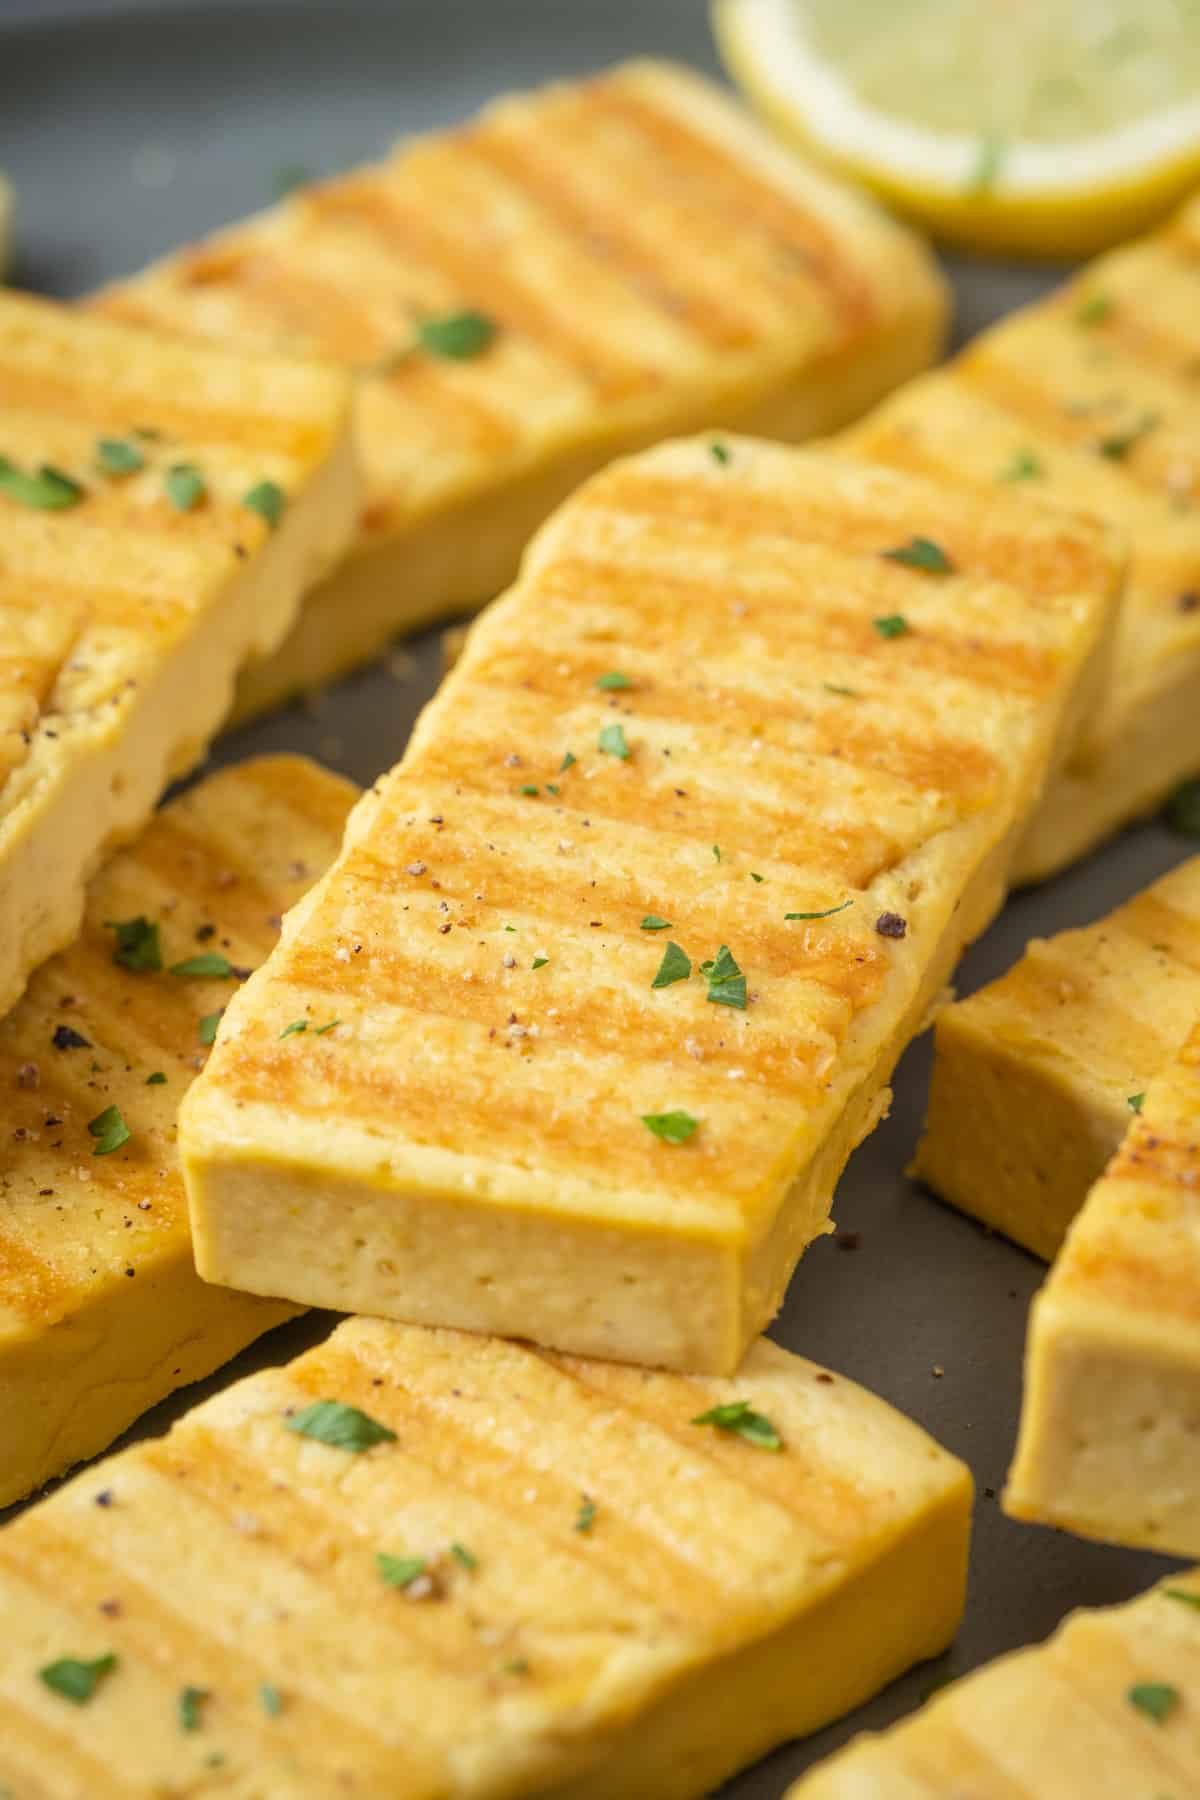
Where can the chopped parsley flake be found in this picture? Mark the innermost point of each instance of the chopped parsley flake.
(457, 336)
(567, 762)
(720, 453)
(892, 625)
(399, 1571)
(672, 1127)
(1154, 1698)
(738, 1417)
(827, 914)
(652, 922)
(921, 553)
(550, 788)
(1185, 1597)
(1024, 465)
(117, 456)
(726, 982)
(716, 850)
(137, 943)
(268, 500)
(585, 1518)
(344, 1427)
(295, 1026)
(77, 1680)
(206, 1030)
(109, 1130)
(462, 1555)
(613, 680)
(539, 962)
(755, 877)
(530, 788)
(1136, 1102)
(518, 1666)
(612, 742)
(209, 964)
(1183, 809)
(155, 1080)
(320, 1030)
(1117, 447)
(271, 1699)
(185, 486)
(832, 687)
(676, 965)
(191, 1702)
(50, 490)
(1094, 310)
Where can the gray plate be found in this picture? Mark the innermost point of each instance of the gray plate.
(127, 134)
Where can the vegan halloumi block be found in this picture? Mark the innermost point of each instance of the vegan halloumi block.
(101, 1310)
(1111, 1409)
(163, 506)
(1091, 400)
(625, 949)
(1035, 1077)
(571, 274)
(1108, 1708)
(419, 1563)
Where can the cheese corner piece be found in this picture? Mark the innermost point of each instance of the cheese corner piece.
(744, 289)
(1091, 400)
(1111, 1410)
(714, 699)
(1034, 1076)
(1107, 1707)
(163, 506)
(101, 1310)
(498, 1574)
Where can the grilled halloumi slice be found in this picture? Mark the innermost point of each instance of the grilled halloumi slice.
(101, 1310)
(1107, 1708)
(1111, 1409)
(163, 506)
(741, 287)
(1034, 1076)
(1091, 400)
(715, 721)
(424, 1564)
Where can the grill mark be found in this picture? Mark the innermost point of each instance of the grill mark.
(747, 198)
(1157, 344)
(1156, 921)
(145, 614)
(278, 285)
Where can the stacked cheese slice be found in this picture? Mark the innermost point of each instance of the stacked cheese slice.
(571, 274)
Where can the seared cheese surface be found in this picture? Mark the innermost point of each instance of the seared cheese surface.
(1034, 1075)
(697, 682)
(1091, 400)
(1112, 1366)
(609, 1599)
(125, 618)
(742, 287)
(101, 1310)
(1050, 1723)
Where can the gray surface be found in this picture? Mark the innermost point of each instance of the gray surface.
(230, 93)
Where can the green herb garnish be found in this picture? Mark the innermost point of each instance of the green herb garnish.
(539, 962)
(1154, 1698)
(206, 1030)
(191, 1701)
(50, 490)
(720, 453)
(676, 965)
(652, 922)
(726, 982)
(209, 964)
(137, 943)
(585, 1518)
(271, 1699)
(109, 1130)
(921, 553)
(831, 687)
(1024, 466)
(295, 1026)
(827, 914)
(320, 1030)
(1185, 1597)
(155, 1080)
(892, 625)
(612, 742)
(567, 762)
(268, 500)
(1094, 310)
(117, 456)
(76, 1680)
(672, 1127)
(344, 1427)
(612, 680)
(457, 336)
(530, 788)
(399, 1571)
(738, 1417)
(185, 486)
(1135, 1102)
(1117, 447)
(462, 1555)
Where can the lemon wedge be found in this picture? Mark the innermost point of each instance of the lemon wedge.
(1036, 127)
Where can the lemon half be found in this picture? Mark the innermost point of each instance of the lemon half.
(1039, 127)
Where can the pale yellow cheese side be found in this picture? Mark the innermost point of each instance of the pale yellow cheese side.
(1034, 1075)
(101, 1310)
(1055, 1722)
(1111, 1413)
(615, 1600)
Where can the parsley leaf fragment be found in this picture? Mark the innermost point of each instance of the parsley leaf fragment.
(271, 1699)
(1094, 310)
(137, 943)
(672, 1127)
(1185, 1597)
(399, 1571)
(109, 1130)
(191, 1701)
(344, 1427)
(185, 487)
(1157, 1699)
(77, 1680)
(585, 1518)
(612, 742)
(49, 490)
(207, 1028)
(892, 625)
(720, 453)
(462, 1555)
(118, 456)
(726, 982)
(1023, 466)
(921, 553)
(457, 336)
(613, 680)
(652, 922)
(567, 762)
(209, 964)
(1117, 447)
(539, 962)
(827, 914)
(676, 965)
(1135, 1102)
(268, 500)
(738, 1417)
